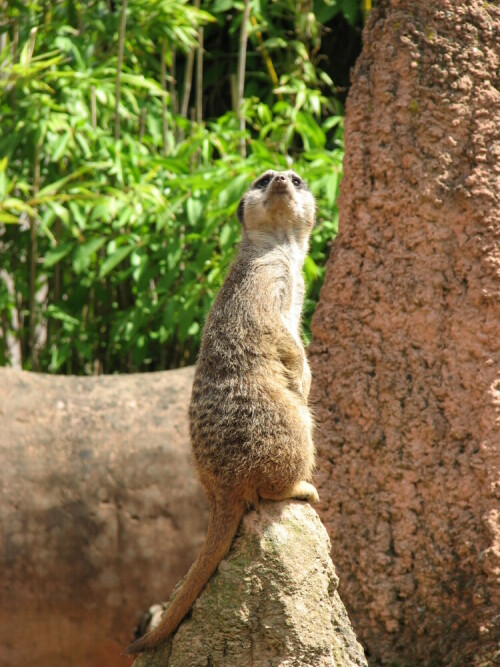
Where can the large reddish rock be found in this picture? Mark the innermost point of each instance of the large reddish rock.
(101, 512)
(406, 339)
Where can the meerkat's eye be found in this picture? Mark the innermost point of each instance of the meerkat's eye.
(297, 181)
(263, 182)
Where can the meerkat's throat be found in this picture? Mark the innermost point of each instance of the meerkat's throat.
(280, 242)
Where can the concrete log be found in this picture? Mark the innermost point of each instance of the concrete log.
(101, 512)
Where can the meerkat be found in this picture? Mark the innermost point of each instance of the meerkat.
(251, 428)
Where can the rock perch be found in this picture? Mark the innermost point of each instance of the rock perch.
(273, 602)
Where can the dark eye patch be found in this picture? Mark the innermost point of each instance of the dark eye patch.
(298, 182)
(263, 182)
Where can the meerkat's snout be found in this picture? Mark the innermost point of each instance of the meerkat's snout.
(279, 192)
(279, 183)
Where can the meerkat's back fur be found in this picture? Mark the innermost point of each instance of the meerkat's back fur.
(251, 429)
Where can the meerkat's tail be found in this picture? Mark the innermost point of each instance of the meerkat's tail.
(222, 526)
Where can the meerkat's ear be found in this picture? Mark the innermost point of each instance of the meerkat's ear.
(240, 210)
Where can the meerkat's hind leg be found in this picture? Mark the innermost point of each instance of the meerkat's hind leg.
(300, 490)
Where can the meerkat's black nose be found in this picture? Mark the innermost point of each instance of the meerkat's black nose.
(280, 177)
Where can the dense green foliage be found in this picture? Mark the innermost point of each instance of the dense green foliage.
(117, 220)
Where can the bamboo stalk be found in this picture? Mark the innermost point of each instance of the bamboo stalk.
(367, 7)
(33, 254)
(93, 108)
(242, 56)
(18, 320)
(195, 157)
(266, 56)
(164, 97)
(33, 260)
(174, 101)
(13, 46)
(15, 39)
(5, 337)
(31, 45)
(188, 76)
(121, 45)
(174, 98)
(142, 123)
(199, 77)
(3, 35)
(233, 83)
(163, 358)
(79, 19)
(53, 325)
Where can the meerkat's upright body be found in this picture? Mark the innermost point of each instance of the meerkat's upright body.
(251, 428)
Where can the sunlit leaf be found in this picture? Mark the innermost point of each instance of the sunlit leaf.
(114, 259)
(83, 253)
(55, 255)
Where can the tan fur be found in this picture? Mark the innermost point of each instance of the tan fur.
(251, 429)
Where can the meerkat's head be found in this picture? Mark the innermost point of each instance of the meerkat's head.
(278, 201)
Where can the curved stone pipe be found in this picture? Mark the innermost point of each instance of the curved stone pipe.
(101, 512)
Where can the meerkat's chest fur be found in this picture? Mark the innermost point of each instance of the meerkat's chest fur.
(292, 308)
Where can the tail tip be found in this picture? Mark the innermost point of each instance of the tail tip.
(138, 646)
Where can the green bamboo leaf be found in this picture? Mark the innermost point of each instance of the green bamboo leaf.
(15, 204)
(58, 314)
(55, 255)
(60, 211)
(311, 270)
(55, 186)
(220, 6)
(141, 82)
(83, 254)
(113, 260)
(333, 121)
(84, 145)
(5, 184)
(8, 218)
(194, 210)
(174, 253)
(234, 190)
(60, 146)
(226, 234)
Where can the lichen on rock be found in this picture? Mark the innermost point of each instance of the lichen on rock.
(273, 602)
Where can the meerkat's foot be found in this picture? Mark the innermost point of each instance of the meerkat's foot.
(301, 491)
(305, 491)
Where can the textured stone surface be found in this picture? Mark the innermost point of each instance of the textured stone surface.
(100, 511)
(406, 339)
(273, 601)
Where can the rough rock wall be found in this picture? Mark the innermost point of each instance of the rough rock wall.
(100, 511)
(273, 601)
(406, 339)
